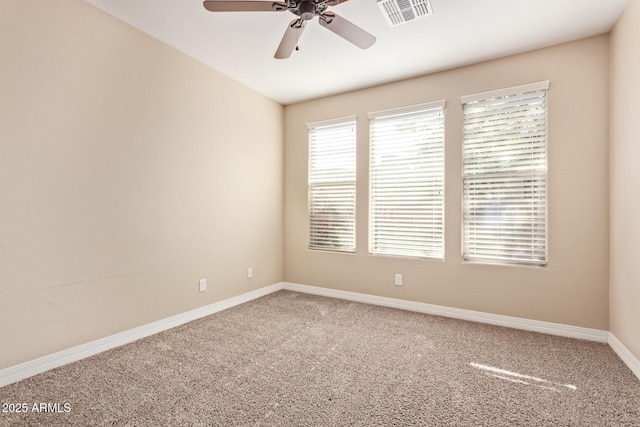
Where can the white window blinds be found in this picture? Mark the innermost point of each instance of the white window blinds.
(505, 176)
(332, 185)
(407, 182)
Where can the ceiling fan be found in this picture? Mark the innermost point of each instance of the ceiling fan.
(305, 10)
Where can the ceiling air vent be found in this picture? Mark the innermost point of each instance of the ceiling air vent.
(399, 12)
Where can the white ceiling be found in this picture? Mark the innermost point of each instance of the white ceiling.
(460, 32)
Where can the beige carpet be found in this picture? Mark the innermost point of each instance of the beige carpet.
(290, 359)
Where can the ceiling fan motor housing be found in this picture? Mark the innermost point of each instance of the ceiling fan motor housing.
(307, 10)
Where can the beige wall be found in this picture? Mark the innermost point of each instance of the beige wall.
(128, 171)
(573, 289)
(624, 291)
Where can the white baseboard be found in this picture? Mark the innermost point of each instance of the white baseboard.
(457, 313)
(43, 364)
(624, 354)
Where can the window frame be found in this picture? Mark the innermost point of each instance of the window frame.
(542, 86)
(312, 127)
(388, 114)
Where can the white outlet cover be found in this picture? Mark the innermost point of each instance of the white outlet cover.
(398, 280)
(203, 285)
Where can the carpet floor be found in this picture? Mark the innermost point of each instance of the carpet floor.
(291, 359)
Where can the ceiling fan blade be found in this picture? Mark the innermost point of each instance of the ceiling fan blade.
(347, 30)
(290, 39)
(243, 6)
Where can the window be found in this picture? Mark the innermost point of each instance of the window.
(407, 182)
(505, 176)
(332, 185)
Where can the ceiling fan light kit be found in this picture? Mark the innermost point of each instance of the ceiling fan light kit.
(305, 10)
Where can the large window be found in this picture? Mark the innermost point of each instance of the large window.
(505, 176)
(407, 181)
(332, 185)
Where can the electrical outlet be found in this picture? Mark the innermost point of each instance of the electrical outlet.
(250, 273)
(203, 285)
(398, 280)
